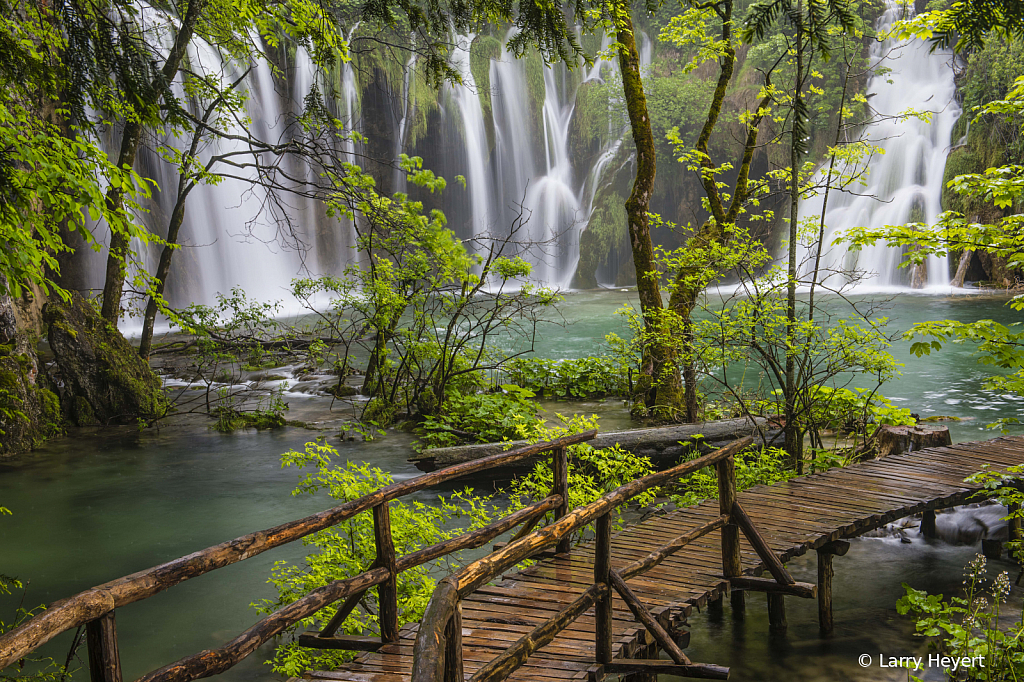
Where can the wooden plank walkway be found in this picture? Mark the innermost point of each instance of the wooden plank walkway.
(795, 516)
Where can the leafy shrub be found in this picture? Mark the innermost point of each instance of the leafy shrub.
(588, 377)
(268, 413)
(855, 411)
(479, 417)
(347, 549)
(969, 626)
(592, 473)
(766, 466)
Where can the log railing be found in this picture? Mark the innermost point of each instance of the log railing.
(437, 653)
(94, 608)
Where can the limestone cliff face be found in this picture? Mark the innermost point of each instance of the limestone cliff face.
(101, 377)
(29, 412)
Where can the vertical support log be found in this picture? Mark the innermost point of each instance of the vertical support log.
(731, 533)
(928, 524)
(603, 608)
(825, 573)
(560, 476)
(453, 668)
(1014, 524)
(104, 657)
(387, 592)
(739, 602)
(777, 612)
(715, 608)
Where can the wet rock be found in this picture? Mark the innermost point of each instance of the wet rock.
(29, 412)
(102, 378)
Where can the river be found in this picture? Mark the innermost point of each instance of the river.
(100, 504)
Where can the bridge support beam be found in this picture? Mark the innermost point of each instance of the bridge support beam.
(777, 613)
(1014, 524)
(825, 574)
(928, 524)
(739, 603)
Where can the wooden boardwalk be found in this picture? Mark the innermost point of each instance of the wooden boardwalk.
(795, 516)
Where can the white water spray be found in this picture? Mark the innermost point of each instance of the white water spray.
(905, 179)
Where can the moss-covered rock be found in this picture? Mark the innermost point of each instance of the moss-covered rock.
(536, 92)
(29, 412)
(481, 52)
(104, 379)
(605, 253)
(588, 127)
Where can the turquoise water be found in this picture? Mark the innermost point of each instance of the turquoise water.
(101, 504)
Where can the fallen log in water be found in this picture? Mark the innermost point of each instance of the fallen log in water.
(664, 445)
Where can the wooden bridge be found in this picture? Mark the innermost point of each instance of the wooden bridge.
(584, 612)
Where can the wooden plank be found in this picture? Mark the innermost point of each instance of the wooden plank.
(790, 518)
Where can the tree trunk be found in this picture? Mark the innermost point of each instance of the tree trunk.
(163, 268)
(131, 138)
(113, 281)
(659, 386)
(793, 436)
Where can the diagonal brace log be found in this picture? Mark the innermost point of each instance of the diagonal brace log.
(650, 622)
(770, 559)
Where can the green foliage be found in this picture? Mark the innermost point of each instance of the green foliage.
(478, 417)
(434, 310)
(571, 379)
(763, 467)
(348, 548)
(859, 410)
(971, 626)
(483, 49)
(231, 413)
(592, 473)
(970, 23)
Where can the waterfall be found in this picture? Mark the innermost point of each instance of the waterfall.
(477, 170)
(235, 236)
(904, 183)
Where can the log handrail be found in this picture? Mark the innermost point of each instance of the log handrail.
(428, 650)
(96, 602)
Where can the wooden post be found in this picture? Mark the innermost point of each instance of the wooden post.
(387, 592)
(739, 602)
(777, 612)
(731, 533)
(560, 476)
(928, 524)
(715, 608)
(825, 574)
(104, 657)
(1014, 524)
(453, 668)
(603, 610)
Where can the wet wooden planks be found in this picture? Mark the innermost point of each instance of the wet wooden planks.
(794, 516)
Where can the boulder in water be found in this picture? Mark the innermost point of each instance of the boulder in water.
(104, 381)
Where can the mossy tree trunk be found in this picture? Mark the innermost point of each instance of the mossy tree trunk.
(659, 387)
(688, 283)
(793, 434)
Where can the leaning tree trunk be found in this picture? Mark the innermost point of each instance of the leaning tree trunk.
(131, 138)
(659, 384)
(163, 269)
(793, 436)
